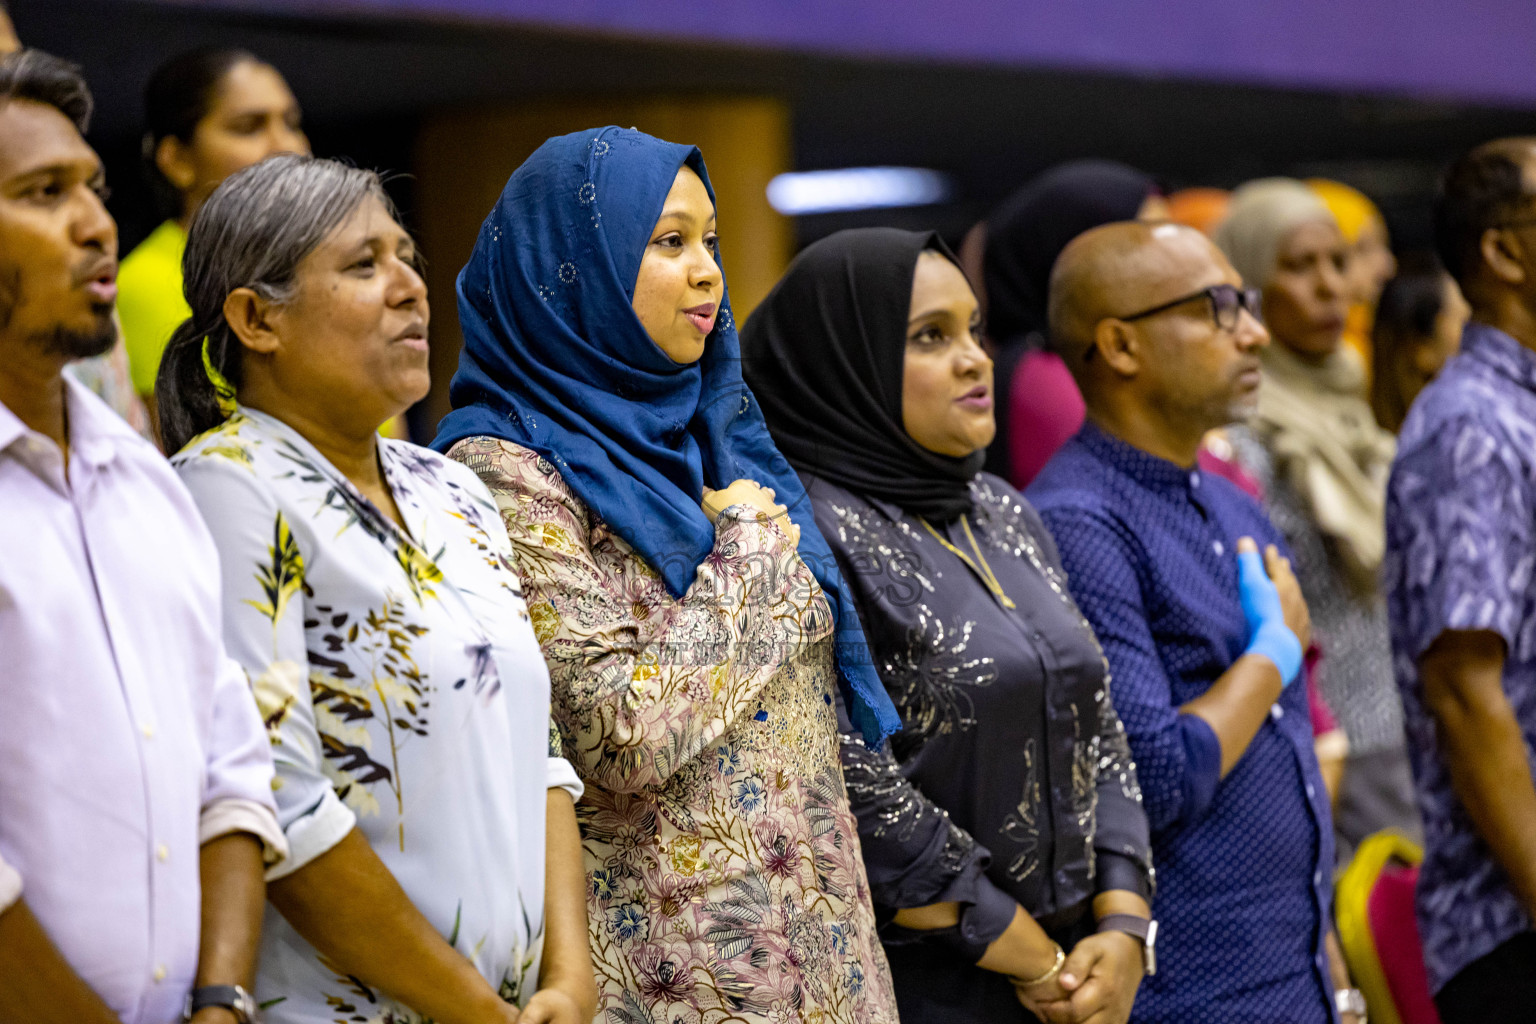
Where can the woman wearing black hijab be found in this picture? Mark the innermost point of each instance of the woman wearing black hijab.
(1002, 826)
(1039, 406)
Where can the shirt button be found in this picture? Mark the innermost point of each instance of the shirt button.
(1310, 791)
(1219, 548)
(163, 852)
(1194, 479)
(159, 974)
(1276, 712)
(148, 731)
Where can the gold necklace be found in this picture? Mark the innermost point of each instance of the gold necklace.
(983, 570)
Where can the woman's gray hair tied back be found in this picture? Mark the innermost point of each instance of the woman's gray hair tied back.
(253, 232)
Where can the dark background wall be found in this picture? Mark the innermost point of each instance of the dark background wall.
(368, 78)
(1474, 49)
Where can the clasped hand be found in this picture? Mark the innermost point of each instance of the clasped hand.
(552, 1005)
(1097, 983)
(748, 492)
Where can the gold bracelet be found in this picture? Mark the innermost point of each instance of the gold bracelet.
(1050, 975)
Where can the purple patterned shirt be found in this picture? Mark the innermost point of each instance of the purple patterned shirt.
(1461, 547)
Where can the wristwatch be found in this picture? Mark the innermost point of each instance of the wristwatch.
(1142, 928)
(230, 997)
(1350, 1000)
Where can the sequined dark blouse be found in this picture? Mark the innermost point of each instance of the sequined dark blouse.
(1011, 780)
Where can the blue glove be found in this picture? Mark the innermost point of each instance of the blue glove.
(1267, 632)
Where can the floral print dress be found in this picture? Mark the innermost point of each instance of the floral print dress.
(402, 690)
(726, 882)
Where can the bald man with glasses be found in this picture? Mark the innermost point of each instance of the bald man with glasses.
(1186, 583)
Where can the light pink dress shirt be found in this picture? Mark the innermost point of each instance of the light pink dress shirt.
(128, 737)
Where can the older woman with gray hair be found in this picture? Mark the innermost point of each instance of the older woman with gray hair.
(371, 595)
(1315, 446)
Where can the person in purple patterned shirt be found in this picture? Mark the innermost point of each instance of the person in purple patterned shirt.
(1461, 546)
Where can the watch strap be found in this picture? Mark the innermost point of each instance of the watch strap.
(1140, 928)
(229, 997)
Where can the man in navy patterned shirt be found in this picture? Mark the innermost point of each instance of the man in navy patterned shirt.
(1162, 558)
(1461, 546)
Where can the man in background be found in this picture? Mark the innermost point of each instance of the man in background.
(1461, 546)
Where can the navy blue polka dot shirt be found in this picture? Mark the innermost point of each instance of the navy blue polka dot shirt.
(1244, 863)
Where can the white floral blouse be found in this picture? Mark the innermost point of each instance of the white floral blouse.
(725, 880)
(403, 692)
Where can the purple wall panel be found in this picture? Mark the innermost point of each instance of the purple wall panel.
(1482, 50)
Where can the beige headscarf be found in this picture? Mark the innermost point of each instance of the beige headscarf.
(1313, 417)
(1259, 216)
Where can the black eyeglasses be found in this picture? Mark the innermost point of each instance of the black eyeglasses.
(1227, 305)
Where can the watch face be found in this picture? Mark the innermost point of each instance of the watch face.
(1350, 1000)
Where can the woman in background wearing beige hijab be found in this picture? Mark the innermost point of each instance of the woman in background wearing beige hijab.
(1315, 446)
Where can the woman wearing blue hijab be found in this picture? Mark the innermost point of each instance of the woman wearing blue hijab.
(698, 635)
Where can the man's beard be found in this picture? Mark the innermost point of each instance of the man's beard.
(1240, 408)
(75, 344)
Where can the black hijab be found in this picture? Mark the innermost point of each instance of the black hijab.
(1029, 230)
(824, 355)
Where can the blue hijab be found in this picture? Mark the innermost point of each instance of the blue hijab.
(555, 360)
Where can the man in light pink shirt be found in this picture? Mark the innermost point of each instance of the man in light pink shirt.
(135, 799)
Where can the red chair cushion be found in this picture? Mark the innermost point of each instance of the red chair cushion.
(1396, 933)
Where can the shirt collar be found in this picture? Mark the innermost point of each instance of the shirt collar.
(1141, 466)
(95, 434)
(1500, 353)
(401, 480)
(11, 427)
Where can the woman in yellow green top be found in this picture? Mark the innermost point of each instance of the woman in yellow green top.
(209, 113)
